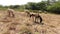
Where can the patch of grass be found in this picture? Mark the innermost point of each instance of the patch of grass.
(37, 33)
(6, 32)
(25, 29)
(52, 26)
(20, 10)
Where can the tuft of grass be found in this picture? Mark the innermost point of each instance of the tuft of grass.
(6, 32)
(52, 26)
(37, 33)
(25, 29)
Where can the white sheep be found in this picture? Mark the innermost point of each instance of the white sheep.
(10, 12)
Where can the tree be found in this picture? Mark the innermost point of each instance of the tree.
(55, 8)
(42, 5)
(36, 6)
(31, 6)
(14, 6)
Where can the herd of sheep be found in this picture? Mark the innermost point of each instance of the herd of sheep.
(36, 17)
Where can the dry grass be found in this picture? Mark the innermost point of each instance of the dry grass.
(22, 24)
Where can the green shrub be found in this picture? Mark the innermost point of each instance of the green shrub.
(55, 8)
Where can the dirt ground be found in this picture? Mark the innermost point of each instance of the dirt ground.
(22, 24)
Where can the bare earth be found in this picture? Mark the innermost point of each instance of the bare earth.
(22, 23)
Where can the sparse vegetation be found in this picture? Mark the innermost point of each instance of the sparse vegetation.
(22, 24)
(51, 21)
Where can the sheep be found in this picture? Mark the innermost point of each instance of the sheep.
(27, 12)
(38, 17)
(10, 13)
(34, 16)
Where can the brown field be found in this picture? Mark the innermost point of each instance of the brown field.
(22, 23)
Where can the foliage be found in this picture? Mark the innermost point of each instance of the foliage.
(31, 6)
(14, 6)
(48, 6)
(55, 8)
(36, 6)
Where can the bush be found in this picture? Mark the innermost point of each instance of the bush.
(55, 8)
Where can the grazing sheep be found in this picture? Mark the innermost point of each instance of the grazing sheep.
(10, 13)
(36, 17)
(27, 12)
